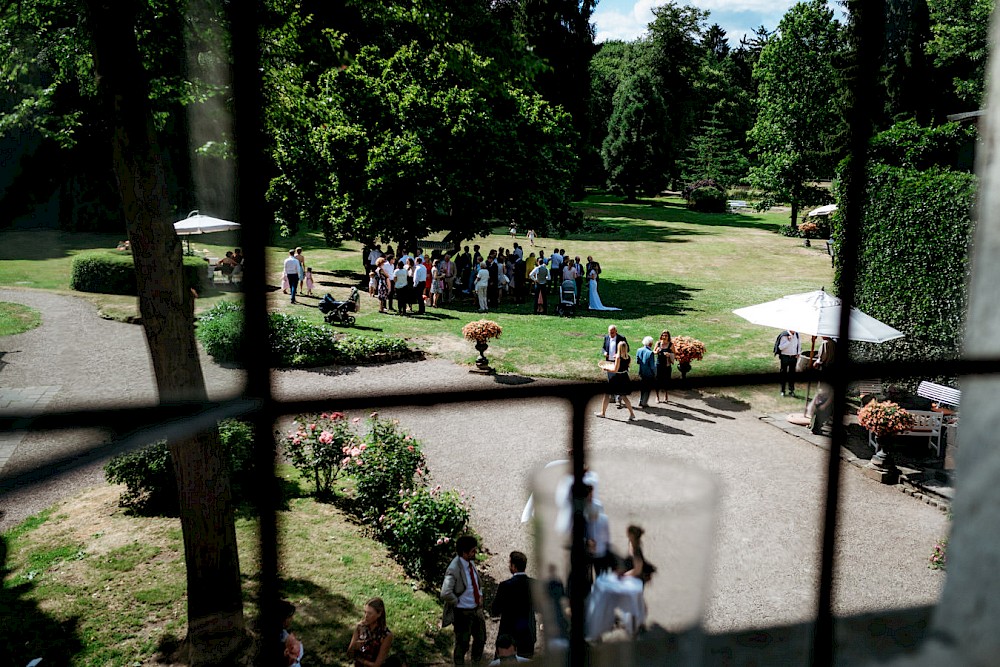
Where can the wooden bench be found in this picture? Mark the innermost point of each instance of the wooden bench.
(737, 205)
(867, 388)
(926, 424)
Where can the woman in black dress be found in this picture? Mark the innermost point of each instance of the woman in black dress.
(618, 381)
(664, 351)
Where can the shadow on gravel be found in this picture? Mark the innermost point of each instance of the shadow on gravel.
(657, 426)
(512, 379)
(707, 413)
(726, 403)
(675, 415)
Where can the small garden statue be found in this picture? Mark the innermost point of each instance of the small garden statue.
(686, 350)
(481, 332)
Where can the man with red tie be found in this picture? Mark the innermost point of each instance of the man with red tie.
(463, 601)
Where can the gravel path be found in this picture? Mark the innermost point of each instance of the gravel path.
(766, 560)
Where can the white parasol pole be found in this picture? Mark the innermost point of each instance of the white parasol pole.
(812, 349)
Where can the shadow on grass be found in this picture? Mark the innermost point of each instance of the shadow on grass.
(27, 632)
(658, 211)
(323, 621)
(636, 298)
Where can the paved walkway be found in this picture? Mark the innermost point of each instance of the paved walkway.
(765, 564)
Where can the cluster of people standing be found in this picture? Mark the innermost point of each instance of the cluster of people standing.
(413, 280)
(655, 360)
(296, 273)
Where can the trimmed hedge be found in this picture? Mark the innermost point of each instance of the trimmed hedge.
(914, 261)
(295, 342)
(113, 272)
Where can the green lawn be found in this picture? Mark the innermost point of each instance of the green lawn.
(665, 266)
(91, 586)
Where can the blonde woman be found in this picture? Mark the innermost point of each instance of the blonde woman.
(371, 640)
(618, 381)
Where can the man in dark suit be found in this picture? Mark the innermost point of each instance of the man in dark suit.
(514, 606)
(611, 341)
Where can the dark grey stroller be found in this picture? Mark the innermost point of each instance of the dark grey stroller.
(337, 312)
(567, 299)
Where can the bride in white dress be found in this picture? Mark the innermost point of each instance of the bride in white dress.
(593, 298)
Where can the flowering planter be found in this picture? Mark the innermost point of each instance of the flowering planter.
(481, 332)
(684, 367)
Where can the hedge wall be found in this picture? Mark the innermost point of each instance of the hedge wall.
(113, 272)
(914, 261)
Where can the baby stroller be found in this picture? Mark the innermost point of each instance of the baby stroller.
(567, 299)
(338, 312)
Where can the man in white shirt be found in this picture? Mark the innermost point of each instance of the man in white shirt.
(419, 284)
(788, 347)
(463, 601)
(293, 269)
(555, 267)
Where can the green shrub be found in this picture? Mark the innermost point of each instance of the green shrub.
(148, 473)
(421, 531)
(148, 476)
(385, 468)
(113, 272)
(319, 447)
(707, 200)
(220, 330)
(296, 343)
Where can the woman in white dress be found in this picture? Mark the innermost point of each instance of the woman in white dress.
(593, 298)
(621, 590)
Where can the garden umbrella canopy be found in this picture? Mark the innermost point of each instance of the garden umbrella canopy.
(823, 210)
(817, 314)
(197, 223)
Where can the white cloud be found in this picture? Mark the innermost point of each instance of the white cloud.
(628, 19)
(627, 25)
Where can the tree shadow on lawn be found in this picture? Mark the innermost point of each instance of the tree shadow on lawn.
(52, 244)
(27, 632)
(638, 299)
(669, 212)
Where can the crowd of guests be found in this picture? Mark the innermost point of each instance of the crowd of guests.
(408, 281)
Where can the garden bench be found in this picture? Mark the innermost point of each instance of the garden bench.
(926, 424)
(867, 388)
(736, 205)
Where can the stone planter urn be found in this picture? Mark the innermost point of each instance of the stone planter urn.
(482, 363)
(684, 367)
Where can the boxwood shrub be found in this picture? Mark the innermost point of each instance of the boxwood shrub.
(113, 272)
(296, 342)
(707, 200)
(148, 473)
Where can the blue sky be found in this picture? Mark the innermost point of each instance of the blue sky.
(627, 19)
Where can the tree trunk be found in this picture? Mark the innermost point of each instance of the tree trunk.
(216, 627)
(795, 211)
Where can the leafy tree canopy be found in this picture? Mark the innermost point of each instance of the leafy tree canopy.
(633, 148)
(408, 140)
(799, 121)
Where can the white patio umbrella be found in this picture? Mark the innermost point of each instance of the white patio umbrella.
(817, 314)
(196, 223)
(823, 210)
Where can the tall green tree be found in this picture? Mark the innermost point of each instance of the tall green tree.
(633, 150)
(216, 626)
(715, 153)
(799, 126)
(960, 46)
(676, 56)
(50, 104)
(561, 34)
(428, 136)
